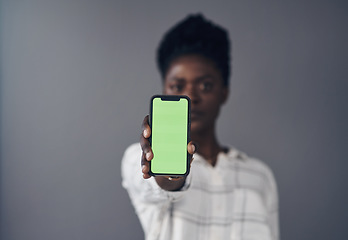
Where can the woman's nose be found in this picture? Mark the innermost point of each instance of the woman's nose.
(193, 93)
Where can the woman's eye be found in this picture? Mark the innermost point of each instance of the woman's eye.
(176, 87)
(206, 86)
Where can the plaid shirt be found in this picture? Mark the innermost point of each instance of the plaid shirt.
(235, 199)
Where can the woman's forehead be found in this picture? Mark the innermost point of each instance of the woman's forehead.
(192, 67)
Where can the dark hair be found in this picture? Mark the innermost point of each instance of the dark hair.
(195, 35)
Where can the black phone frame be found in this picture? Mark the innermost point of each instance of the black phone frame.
(173, 98)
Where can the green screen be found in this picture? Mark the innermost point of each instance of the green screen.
(169, 136)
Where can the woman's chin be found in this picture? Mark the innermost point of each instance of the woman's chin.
(196, 127)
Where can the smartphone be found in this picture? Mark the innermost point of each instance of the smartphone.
(170, 134)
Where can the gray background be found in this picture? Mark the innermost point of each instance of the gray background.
(76, 78)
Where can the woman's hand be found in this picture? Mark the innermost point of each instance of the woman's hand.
(166, 182)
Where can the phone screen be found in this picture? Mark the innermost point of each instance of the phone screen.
(170, 135)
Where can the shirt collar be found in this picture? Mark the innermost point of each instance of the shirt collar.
(231, 155)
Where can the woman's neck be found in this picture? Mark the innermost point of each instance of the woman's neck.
(208, 146)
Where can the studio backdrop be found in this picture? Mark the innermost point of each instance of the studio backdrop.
(76, 81)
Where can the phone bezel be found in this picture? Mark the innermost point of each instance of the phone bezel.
(172, 98)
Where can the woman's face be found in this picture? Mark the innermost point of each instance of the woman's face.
(198, 78)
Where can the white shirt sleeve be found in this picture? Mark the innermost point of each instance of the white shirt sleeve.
(149, 200)
(273, 206)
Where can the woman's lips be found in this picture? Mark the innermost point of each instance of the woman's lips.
(196, 114)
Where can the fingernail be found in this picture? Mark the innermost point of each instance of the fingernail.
(193, 148)
(145, 133)
(143, 168)
(148, 155)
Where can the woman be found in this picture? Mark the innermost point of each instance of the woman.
(227, 194)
